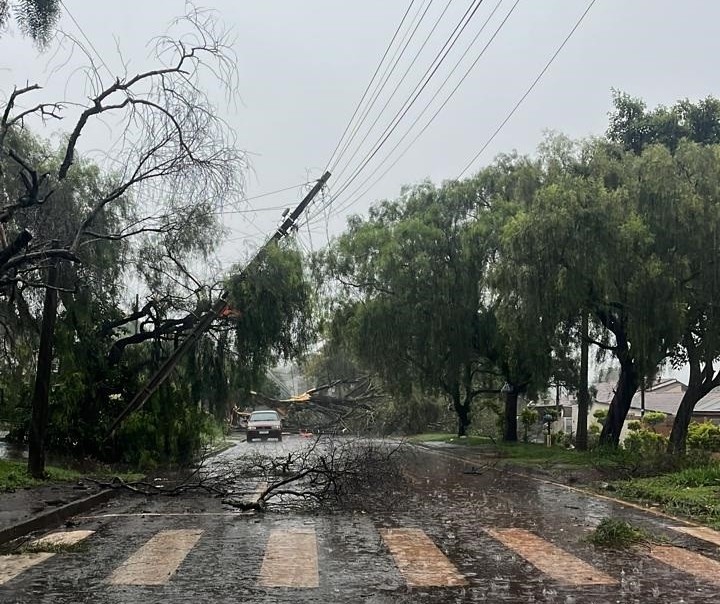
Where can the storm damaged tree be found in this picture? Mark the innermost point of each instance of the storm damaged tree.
(324, 472)
(171, 167)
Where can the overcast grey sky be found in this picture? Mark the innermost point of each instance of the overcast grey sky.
(304, 65)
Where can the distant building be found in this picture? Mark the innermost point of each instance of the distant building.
(663, 396)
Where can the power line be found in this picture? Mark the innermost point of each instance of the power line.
(82, 33)
(384, 78)
(261, 195)
(350, 201)
(528, 91)
(372, 79)
(425, 80)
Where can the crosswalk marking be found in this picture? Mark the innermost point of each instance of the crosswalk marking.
(687, 561)
(419, 560)
(290, 559)
(701, 532)
(62, 538)
(11, 566)
(553, 561)
(156, 561)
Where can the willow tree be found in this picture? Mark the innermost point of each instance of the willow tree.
(687, 177)
(36, 18)
(411, 278)
(596, 240)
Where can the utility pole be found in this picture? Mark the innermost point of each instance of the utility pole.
(205, 322)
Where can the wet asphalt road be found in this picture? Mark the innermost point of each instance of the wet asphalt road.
(351, 557)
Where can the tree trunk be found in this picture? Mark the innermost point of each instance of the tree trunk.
(700, 383)
(678, 435)
(581, 432)
(462, 409)
(626, 388)
(41, 393)
(463, 413)
(511, 401)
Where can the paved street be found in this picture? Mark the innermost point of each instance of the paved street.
(453, 537)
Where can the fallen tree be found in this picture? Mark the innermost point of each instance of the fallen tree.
(326, 472)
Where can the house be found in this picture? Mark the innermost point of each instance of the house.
(663, 396)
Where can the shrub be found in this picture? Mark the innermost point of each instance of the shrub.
(645, 442)
(653, 418)
(704, 436)
(528, 417)
(600, 415)
(634, 426)
(618, 534)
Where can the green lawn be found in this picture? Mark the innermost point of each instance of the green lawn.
(521, 453)
(437, 437)
(13, 475)
(693, 492)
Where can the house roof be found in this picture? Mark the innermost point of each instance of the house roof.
(663, 396)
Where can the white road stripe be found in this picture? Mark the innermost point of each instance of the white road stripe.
(12, 566)
(697, 565)
(290, 559)
(156, 561)
(62, 538)
(701, 532)
(553, 561)
(419, 560)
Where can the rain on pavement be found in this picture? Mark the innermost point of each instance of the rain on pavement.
(455, 535)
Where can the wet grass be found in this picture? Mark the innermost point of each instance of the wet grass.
(520, 453)
(14, 475)
(619, 534)
(693, 493)
(531, 454)
(444, 437)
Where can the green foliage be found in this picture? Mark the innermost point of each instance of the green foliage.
(528, 418)
(645, 442)
(275, 301)
(600, 415)
(635, 127)
(36, 18)
(653, 418)
(704, 436)
(13, 475)
(634, 426)
(691, 492)
(618, 534)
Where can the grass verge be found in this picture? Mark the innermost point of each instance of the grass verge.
(693, 493)
(444, 437)
(13, 475)
(519, 453)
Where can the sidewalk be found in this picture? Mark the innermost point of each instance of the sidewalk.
(48, 506)
(37, 508)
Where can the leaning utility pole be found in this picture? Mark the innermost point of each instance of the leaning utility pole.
(209, 317)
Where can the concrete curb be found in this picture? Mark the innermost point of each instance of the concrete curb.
(54, 517)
